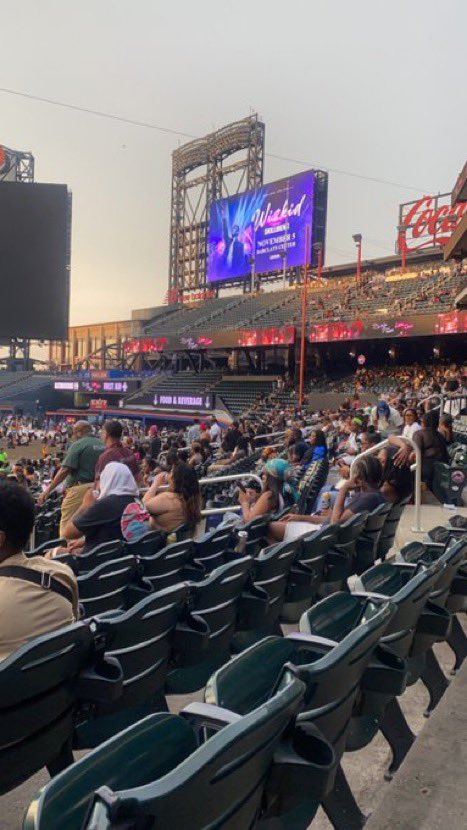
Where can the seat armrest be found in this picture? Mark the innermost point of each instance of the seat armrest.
(207, 718)
(303, 640)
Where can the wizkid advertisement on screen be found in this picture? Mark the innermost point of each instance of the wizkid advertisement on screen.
(263, 229)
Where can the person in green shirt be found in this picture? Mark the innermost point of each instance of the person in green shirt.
(3, 458)
(77, 470)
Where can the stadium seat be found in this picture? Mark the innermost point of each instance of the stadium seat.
(171, 781)
(257, 531)
(148, 545)
(270, 574)
(332, 674)
(42, 686)
(451, 588)
(85, 562)
(105, 588)
(310, 484)
(367, 543)
(211, 617)
(165, 568)
(410, 591)
(213, 549)
(307, 571)
(141, 640)
(388, 532)
(340, 558)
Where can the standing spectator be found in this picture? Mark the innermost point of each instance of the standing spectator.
(155, 443)
(28, 609)
(115, 451)
(215, 431)
(77, 470)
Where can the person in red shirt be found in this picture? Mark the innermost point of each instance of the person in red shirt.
(115, 451)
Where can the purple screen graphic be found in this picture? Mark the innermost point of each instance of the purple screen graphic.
(268, 224)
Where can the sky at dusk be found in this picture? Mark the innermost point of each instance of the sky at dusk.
(375, 89)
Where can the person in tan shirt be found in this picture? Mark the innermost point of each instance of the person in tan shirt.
(28, 608)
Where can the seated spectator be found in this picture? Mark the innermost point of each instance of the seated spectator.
(364, 484)
(99, 518)
(162, 478)
(385, 418)
(179, 505)
(27, 608)
(397, 481)
(318, 449)
(445, 428)
(112, 432)
(271, 500)
(196, 458)
(148, 466)
(411, 423)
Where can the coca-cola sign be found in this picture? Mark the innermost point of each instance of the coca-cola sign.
(428, 222)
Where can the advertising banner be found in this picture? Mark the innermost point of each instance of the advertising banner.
(451, 322)
(261, 229)
(184, 400)
(429, 222)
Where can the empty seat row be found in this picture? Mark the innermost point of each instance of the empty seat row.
(354, 656)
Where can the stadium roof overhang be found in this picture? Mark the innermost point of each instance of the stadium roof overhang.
(456, 248)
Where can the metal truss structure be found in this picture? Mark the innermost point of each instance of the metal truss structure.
(202, 172)
(16, 166)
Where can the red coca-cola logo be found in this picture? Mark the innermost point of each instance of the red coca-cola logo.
(427, 223)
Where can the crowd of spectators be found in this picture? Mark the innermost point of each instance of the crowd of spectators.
(120, 481)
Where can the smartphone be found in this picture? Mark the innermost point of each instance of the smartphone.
(241, 486)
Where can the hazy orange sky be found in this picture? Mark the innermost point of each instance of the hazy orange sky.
(374, 88)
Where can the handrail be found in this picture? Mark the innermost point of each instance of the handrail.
(270, 435)
(418, 474)
(232, 477)
(217, 480)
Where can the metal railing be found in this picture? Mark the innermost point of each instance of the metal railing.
(232, 477)
(418, 474)
(268, 435)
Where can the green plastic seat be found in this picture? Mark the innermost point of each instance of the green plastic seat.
(332, 673)
(155, 774)
(105, 588)
(366, 546)
(306, 573)
(128, 760)
(42, 688)
(141, 640)
(270, 574)
(212, 610)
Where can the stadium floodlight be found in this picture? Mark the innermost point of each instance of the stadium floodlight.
(357, 238)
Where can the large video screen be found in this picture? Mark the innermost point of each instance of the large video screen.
(34, 254)
(267, 225)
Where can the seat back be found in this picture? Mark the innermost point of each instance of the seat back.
(219, 785)
(331, 671)
(452, 558)
(367, 543)
(349, 531)
(257, 531)
(317, 543)
(105, 587)
(148, 545)
(271, 572)
(388, 532)
(310, 484)
(107, 552)
(127, 760)
(214, 602)
(165, 567)
(409, 588)
(37, 701)
(141, 640)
